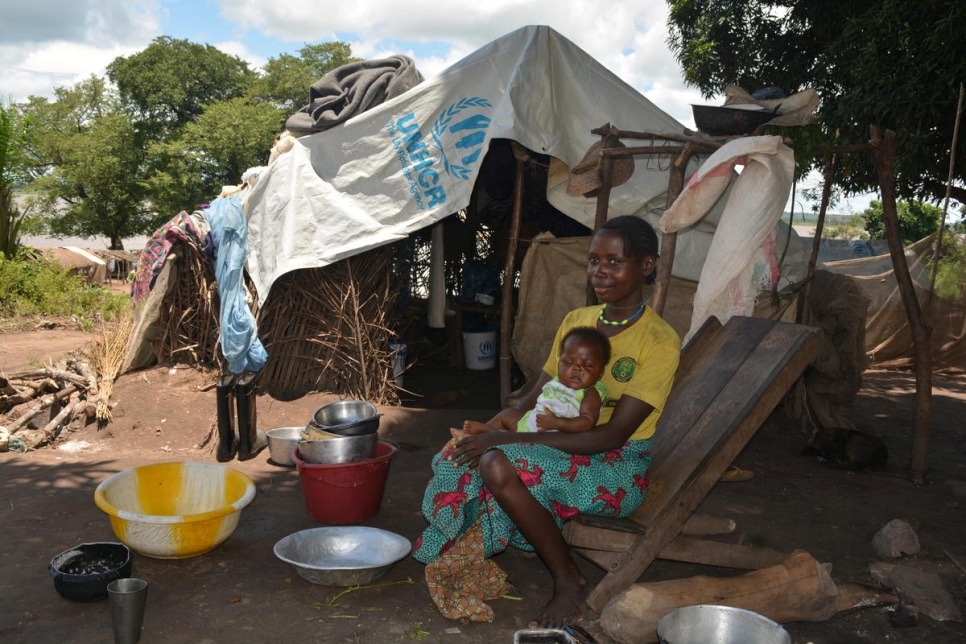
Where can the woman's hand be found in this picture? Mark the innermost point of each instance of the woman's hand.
(470, 447)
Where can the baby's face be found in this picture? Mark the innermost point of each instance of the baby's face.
(580, 364)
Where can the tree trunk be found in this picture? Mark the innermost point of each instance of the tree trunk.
(921, 332)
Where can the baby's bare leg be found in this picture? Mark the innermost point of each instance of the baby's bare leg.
(476, 427)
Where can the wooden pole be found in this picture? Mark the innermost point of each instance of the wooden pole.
(802, 312)
(675, 185)
(606, 174)
(937, 253)
(509, 268)
(921, 332)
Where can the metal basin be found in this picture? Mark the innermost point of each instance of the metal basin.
(327, 448)
(347, 418)
(709, 624)
(728, 121)
(342, 556)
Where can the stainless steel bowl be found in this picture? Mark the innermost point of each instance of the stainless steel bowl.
(332, 448)
(282, 442)
(719, 624)
(347, 418)
(342, 555)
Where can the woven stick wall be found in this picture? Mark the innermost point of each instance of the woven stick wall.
(188, 316)
(325, 329)
(328, 329)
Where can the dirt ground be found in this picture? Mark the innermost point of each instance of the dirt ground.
(241, 592)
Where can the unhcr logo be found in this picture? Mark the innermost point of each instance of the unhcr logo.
(456, 145)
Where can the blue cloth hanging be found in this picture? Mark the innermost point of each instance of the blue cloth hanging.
(239, 334)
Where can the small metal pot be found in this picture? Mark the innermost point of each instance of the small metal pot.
(282, 441)
(338, 449)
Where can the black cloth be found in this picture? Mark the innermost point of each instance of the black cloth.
(352, 89)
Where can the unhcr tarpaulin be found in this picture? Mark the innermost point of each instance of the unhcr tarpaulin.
(412, 160)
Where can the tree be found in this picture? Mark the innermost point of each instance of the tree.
(889, 63)
(167, 84)
(917, 220)
(13, 137)
(227, 139)
(286, 80)
(87, 164)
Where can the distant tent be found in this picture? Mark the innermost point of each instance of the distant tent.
(888, 338)
(78, 261)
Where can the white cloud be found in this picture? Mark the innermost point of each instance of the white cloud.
(629, 38)
(58, 43)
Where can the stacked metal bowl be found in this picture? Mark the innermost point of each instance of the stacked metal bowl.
(340, 432)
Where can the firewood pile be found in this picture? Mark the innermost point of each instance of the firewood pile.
(36, 405)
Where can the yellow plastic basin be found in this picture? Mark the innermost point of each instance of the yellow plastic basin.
(174, 510)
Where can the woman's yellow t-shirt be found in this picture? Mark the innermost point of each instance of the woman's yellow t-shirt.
(644, 359)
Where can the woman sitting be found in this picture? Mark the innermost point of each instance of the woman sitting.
(493, 489)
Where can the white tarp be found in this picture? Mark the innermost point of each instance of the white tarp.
(412, 161)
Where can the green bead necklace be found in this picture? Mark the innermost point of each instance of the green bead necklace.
(624, 322)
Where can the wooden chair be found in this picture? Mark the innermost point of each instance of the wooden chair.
(729, 380)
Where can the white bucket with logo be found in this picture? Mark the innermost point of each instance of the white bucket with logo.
(399, 352)
(479, 348)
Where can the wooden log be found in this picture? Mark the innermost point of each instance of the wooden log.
(6, 388)
(797, 589)
(699, 525)
(44, 403)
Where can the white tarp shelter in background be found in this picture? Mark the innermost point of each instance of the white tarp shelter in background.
(412, 161)
(77, 260)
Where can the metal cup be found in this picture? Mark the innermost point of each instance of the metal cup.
(128, 597)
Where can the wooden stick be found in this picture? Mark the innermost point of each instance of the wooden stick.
(921, 332)
(937, 253)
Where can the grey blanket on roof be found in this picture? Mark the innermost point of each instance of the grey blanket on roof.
(352, 89)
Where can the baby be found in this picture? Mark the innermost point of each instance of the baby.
(571, 401)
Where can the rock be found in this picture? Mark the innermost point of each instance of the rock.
(895, 539)
(926, 592)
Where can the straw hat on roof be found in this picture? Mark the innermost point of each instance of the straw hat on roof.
(585, 176)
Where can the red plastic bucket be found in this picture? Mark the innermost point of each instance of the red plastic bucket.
(344, 493)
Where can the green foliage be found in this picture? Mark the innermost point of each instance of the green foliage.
(13, 138)
(951, 273)
(228, 138)
(35, 287)
(853, 228)
(90, 166)
(889, 63)
(917, 220)
(167, 84)
(185, 120)
(286, 80)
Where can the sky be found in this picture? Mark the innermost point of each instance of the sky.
(57, 43)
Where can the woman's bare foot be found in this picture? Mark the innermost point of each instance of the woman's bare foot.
(566, 606)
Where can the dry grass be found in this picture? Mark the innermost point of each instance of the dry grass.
(105, 355)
